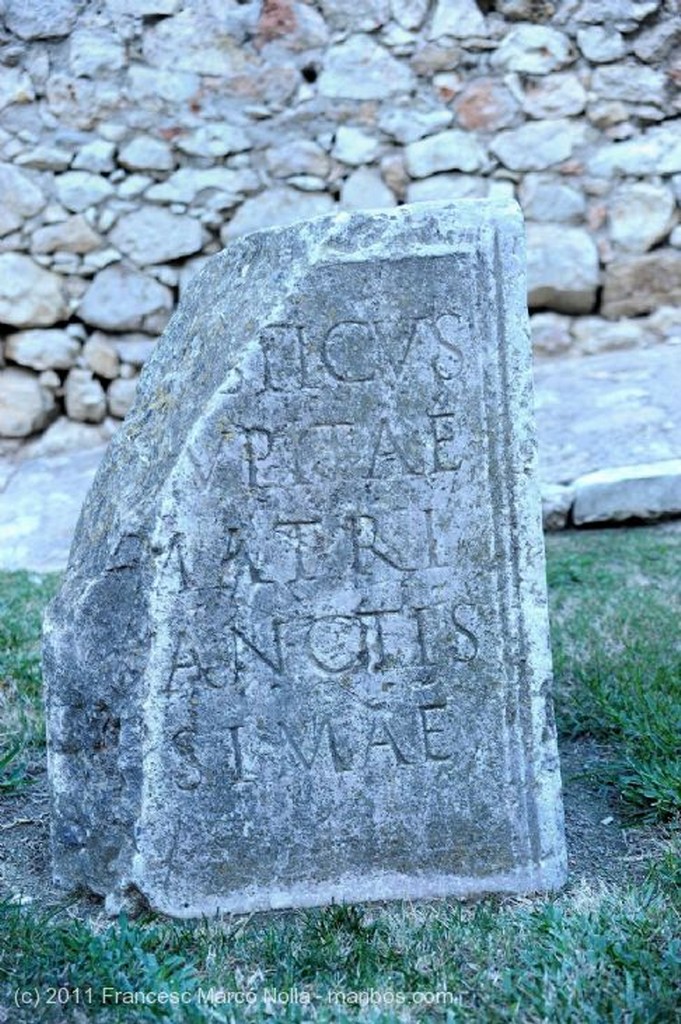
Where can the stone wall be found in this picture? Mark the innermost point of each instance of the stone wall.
(137, 137)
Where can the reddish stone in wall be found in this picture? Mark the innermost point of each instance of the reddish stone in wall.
(277, 19)
(485, 105)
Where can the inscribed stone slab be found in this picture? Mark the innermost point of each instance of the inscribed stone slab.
(300, 653)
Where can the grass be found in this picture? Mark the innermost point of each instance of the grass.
(615, 609)
(594, 953)
(22, 600)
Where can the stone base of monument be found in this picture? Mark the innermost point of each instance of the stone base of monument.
(300, 654)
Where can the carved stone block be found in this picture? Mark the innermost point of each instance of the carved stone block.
(300, 653)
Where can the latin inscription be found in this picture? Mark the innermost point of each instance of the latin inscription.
(333, 644)
(306, 592)
(360, 351)
(421, 736)
(355, 354)
(324, 451)
(363, 650)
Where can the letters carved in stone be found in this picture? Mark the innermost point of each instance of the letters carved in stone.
(342, 669)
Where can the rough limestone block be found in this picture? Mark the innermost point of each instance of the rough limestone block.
(562, 275)
(648, 491)
(641, 284)
(29, 295)
(25, 405)
(556, 501)
(300, 653)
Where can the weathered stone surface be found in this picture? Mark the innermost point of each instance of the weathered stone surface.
(122, 299)
(71, 235)
(21, 197)
(533, 50)
(556, 502)
(536, 145)
(214, 140)
(562, 268)
(65, 435)
(657, 151)
(189, 271)
(95, 156)
(640, 215)
(301, 156)
(409, 123)
(46, 158)
(550, 334)
(457, 18)
(203, 41)
(153, 235)
(189, 184)
(350, 16)
(447, 151)
(625, 13)
(40, 19)
(548, 197)
(354, 147)
(79, 189)
(485, 105)
(642, 283)
(361, 69)
(50, 379)
(316, 677)
(80, 102)
(134, 185)
(394, 174)
(143, 8)
(628, 410)
(34, 533)
(94, 261)
(145, 153)
(600, 44)
(560, 95)
(648, 491)
(93, 50)
(25, 406)
(366, 190)
(133, 349)
(120, 395)
(654, 44)
(101, 357)
(29, 295)
(446, 187)
(15, 87)
(665, 324)
(84, 397)
(525, 10)
(293, 24)
(593, 334)
(409, 13)
(42, 349)
(278, 206)
(153, 85)
(632, 83)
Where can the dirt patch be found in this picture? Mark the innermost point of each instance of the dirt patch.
(25, 868)
(602, 846)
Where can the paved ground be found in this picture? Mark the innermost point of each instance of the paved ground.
(617, 409)
(39, 508)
